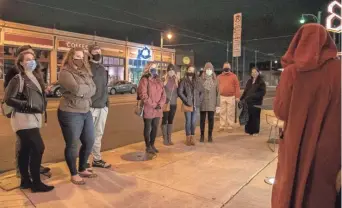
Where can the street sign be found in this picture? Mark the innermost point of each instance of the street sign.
(237, 31)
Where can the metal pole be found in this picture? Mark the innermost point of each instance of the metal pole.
(243, 64)
(319, 17)
(227, 51)
(161, 50)
(255, 58)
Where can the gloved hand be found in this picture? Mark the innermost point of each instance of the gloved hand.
(158, 107)
(218, 109)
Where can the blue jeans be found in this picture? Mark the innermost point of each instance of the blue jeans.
(190, 122)
(77, 126)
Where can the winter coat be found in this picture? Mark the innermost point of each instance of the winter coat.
(151, 92)
(254, 93)
(229, 84)
(77, 87)
(191, 93)
(308, 99)
(211, 98)
(100, 78)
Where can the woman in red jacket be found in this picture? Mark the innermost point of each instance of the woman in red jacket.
(151, 92)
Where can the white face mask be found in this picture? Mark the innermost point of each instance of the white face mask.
(209, 72)
(171, 73)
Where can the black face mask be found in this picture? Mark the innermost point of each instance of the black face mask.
(226, 69)
(79, 63)
(96, 57)
(190, 74)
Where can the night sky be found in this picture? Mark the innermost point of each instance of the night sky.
(212, 18)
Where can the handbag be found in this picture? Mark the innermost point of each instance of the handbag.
(185, 108)
(7, 110)
(139, 108)
(166, 107)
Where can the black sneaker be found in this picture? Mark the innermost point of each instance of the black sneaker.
(149, 150)
(101, 164)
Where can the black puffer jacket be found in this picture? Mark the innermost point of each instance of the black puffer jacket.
(31, 100)
(191, 92)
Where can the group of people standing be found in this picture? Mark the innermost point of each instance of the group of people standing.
(83, 108)
(205, 95)
(82, 113)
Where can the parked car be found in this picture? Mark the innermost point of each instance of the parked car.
(54, 90)
(122, 87)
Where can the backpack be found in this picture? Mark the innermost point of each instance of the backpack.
(7, 110)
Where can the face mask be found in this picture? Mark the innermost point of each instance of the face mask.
(96, 57)
(226, 69)
(171, 73)
(190, 74)
(154, 72)
(31, 65)
(79, 63)
(209, 72)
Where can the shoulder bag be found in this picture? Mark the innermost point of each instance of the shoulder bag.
(7, 110)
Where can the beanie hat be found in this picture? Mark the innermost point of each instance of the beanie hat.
(93, 47)
(208, 65)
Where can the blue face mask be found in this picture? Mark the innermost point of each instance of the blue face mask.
(31, 65)
(154, 72)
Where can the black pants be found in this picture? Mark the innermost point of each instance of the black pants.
(150, 131)
(170, 115)
(30, 154)
(203, 116)
(253, 125)
(338, 200)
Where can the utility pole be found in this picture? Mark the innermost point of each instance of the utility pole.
(319, 17)
(255, 58)
(161, 46)
(243, 64)
(227, 51)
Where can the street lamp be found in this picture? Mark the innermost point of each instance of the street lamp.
(275, 61)
(316, 18)
(169, 36)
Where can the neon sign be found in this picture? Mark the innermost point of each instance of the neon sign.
(144, 53)
(332, 7)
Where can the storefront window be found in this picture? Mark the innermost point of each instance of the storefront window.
(41, 55)
(136, 68)
(115, 67)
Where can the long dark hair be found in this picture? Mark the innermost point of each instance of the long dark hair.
(37, 72)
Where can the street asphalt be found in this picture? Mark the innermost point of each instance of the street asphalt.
(122, 128)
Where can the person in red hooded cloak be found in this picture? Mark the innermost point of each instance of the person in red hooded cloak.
(308, 99)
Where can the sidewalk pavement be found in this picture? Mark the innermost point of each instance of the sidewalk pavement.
(228, 173)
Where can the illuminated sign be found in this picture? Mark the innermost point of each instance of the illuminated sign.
(144, 53)
(333, 16)
(68, 44)
(186, 60)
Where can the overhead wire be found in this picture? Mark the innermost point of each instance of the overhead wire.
(218, 41)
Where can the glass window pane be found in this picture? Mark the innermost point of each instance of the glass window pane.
(111, 60)
(122, 62)
(116, 61)
(105, 60)
(130, 62)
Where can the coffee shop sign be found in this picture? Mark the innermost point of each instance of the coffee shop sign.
(76, 45)
(334, 17)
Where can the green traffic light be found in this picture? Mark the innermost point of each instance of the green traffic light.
(302, 21)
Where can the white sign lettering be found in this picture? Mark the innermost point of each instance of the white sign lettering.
(333, 6)
(77, 45)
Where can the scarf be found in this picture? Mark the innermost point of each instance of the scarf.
(208, 82)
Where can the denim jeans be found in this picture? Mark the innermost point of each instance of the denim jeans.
(75, 127)
(190, 122)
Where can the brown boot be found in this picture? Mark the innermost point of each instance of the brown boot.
(188, 141)
(192, 140)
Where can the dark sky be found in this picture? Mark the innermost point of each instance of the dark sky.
(214, 18)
